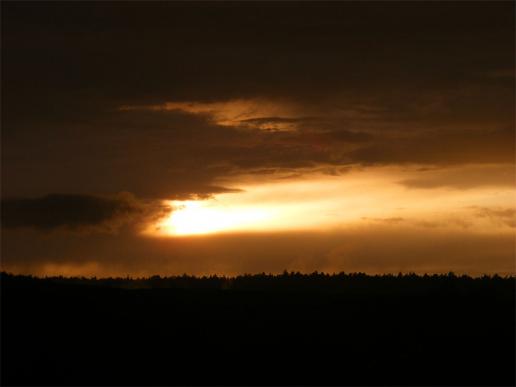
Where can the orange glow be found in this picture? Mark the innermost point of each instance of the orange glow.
(234, 112)
(205, 217)
(322, 202)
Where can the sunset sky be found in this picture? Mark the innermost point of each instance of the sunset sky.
(228, 138)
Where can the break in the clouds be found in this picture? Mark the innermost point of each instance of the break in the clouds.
(392, 113)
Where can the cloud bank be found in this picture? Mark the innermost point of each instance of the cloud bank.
(78, 213)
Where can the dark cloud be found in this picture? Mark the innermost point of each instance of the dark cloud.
(76, 212)
(503, 73)
(441, 148)
(167, 154)
(213, 51)
(399, 91)
(178, 155)
(159, 155)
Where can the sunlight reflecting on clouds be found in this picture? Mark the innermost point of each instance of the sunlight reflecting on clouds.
(325, 203)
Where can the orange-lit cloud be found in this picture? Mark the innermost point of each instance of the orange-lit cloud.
(324, 202)
(245, 113)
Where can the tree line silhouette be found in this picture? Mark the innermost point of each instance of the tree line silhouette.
(260, 329)
(315, 281)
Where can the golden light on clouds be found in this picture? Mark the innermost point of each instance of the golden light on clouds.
(245, 113)
(327, 203)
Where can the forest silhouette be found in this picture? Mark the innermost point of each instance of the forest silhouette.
(261, 329)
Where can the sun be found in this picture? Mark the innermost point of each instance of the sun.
(205, 217)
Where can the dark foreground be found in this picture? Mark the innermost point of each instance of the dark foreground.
(285, 330)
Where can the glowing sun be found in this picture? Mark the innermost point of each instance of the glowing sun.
(325, 203)
(206, 217)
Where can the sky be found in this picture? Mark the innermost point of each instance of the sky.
(143, 138)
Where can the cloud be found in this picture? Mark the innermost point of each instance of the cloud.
(428, 250)
(450, 147)
(249, 112)
(441, 224)
(504, 216)
(78, 213)
(378, 248)
(348, 136)
(214, 103)
(394, 219)
(276, 123)
(463, 177)
(508, 73)
(280, 120)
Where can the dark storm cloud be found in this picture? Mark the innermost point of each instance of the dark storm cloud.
(415, 86)
(167, 154)
(178, 155)
(160, 155)
(130, 53)
(172, 51)
(75, 212)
